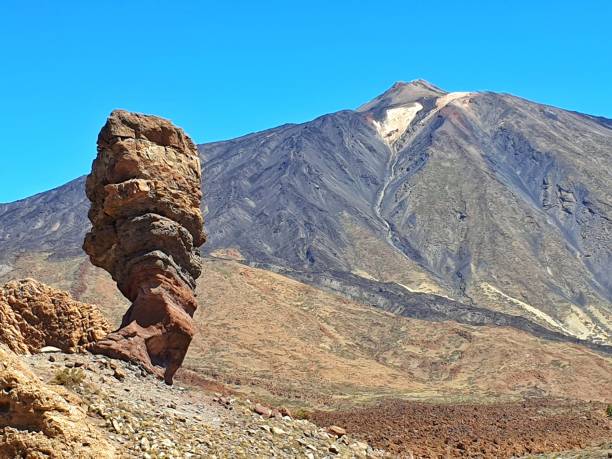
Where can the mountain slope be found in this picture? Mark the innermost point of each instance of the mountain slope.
(490, 200)
(275, 338)
(482, 197)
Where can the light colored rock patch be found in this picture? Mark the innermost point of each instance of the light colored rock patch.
(396, 121)
(450, 97)
(602, 316)
(5, 269)
(582, 326)
(425, 287)
(364, 274)
(575, 323)
(492, 291)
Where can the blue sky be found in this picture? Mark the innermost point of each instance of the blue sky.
(223, 69)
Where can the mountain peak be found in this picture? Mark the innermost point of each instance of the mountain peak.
(401, 93)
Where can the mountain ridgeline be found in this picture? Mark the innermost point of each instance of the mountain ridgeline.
(477, 207)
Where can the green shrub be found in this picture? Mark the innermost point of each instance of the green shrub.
(609, 410)
(68, 377)
(301, 413)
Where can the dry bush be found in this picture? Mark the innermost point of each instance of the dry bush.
(68, 377)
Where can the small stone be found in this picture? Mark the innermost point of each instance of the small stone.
(266, 428)
(167, 443)
(119, 374)
(337, 431)
(49, 349)
(144, 444)
(334, 449)
(278, 431)
(116, 425)
(263, 410)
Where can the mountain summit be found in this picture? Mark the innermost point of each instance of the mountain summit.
(402, 93)
(482, 208)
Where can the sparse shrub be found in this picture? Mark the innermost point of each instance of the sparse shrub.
(609, 410)
(301, 413)
(68, 377)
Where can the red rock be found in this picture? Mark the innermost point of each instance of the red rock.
(263, 410)
(145, 195)
(337, 431)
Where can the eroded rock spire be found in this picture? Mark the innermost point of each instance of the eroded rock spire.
(145, 194)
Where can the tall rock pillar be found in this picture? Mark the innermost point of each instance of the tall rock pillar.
(145, 193)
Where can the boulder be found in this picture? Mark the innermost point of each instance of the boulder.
(37, 318)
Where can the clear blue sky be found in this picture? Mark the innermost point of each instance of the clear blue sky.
(223, 69)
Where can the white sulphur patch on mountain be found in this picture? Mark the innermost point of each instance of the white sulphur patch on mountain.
(448, 98)
(396, 121)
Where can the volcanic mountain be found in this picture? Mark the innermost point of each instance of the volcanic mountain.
(479, 207)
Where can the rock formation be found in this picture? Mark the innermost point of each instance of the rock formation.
(145, 194)
(34, 315)
(38, 421)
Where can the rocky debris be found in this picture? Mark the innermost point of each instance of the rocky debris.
(189, 423)
(36, 420)
(145, 195)
(506, 429)
(39, 318)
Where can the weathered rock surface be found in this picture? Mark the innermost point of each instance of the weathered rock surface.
(34, 315)
(145, 198)
(37, 421)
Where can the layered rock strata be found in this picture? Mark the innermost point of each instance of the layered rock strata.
(145, 193)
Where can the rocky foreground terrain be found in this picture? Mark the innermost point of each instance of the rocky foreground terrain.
(124, 412)
(242, 362)
(79, 405)
(97, 407)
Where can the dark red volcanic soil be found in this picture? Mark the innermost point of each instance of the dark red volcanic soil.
(499, 430)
